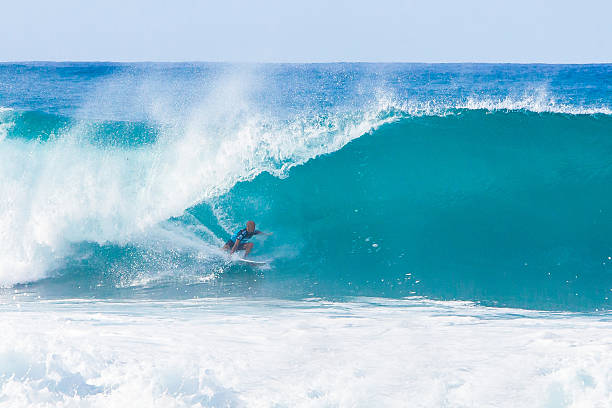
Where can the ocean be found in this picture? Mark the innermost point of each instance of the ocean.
(441, 235)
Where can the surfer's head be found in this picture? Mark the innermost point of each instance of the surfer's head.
(250, 226)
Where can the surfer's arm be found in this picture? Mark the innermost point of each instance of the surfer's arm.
(257, 232)
(235, 246)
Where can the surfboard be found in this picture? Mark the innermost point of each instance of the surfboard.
(251, 262)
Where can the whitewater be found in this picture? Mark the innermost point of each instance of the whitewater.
(441, 235)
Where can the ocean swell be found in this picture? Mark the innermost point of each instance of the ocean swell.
(482, 200)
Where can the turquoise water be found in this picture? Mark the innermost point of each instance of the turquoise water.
(471, 182)
(505, 207)
(441, 235)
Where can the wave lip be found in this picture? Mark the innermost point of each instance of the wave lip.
(537, 104)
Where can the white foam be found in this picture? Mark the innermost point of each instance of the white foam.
(538, 103)
(68, 190)
(5, 125)
(235, 352)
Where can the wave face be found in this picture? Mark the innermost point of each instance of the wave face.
(502, 206)
(485, 183)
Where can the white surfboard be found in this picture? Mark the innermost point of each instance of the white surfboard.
(251, 262)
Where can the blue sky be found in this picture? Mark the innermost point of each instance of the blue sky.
(308, 31)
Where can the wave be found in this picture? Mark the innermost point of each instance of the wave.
(489, 200)
(69, 186)
(507, 207)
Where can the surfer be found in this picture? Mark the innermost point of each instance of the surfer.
(238, 241)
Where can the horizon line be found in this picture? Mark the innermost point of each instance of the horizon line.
(108, 61)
